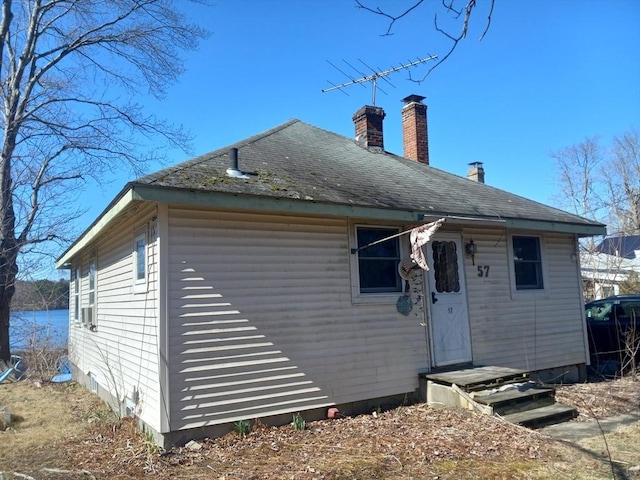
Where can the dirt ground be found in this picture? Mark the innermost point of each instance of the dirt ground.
(64, 432)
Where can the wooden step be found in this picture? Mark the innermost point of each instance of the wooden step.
(479, 378)
(543, 416)
(516, 400)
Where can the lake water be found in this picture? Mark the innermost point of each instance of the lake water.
(39, 327)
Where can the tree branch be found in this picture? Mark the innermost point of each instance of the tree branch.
(64, 114)
(392, 19)
(449, 8)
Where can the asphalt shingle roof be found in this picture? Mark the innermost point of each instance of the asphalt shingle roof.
(296, 160)
(623, 246)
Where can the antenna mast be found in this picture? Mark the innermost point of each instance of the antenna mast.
(373, 78)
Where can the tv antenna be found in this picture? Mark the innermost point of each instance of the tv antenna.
(373, 77)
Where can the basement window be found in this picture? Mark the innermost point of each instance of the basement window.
(93, 383)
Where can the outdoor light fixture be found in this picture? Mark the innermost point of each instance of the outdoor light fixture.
(471, 249)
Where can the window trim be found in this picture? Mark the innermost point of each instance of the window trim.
(92, 277)
(93, 383)
(140, 285)
(77, 306)
(90, 300)
(544, 267)
(358, 297)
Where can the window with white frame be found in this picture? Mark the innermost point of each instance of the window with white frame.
(378, 263)
(527, 262)
(140, 268)
(93, 383)
(76, 295)
(91, 290)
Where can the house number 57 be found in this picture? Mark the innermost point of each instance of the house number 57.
(483, 270)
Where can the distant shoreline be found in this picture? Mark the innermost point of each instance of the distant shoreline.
(39, 327)
(23, 310)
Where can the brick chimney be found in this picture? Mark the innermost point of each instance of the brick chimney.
(476, 172)
(415, 136)
(368, 123)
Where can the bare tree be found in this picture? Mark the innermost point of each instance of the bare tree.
(459, 11)
(602, 183)
(69, 72)
(579, 166)
(630, 284)
(622, 178)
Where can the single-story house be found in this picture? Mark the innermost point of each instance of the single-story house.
(611, 262)
(241, 284)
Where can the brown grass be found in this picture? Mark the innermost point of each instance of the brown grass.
(66, 427)
(623, 445)
(44, 419)
(601, 399)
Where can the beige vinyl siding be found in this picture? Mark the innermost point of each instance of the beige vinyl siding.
(529, 330)
(122, 354)
(261, 321)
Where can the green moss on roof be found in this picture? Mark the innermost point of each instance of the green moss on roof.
(299, 161)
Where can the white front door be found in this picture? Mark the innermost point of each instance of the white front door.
(447, 299)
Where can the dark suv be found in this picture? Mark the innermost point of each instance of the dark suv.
(613, 326)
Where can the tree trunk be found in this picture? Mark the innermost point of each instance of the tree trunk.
(8, 243)
(8, 272)
(59, 127)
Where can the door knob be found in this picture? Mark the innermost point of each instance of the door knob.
(433, 297)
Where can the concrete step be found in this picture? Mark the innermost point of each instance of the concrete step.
(543, 416)
(501, 391)
(516, 399)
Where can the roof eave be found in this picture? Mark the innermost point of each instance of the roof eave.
(310, 207)
(139, 192)
(268, 204)
(580, 229)
(120, 203)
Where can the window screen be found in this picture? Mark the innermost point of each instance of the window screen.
(527, 263)
(378, 264)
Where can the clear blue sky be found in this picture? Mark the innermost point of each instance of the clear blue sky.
(547, 74)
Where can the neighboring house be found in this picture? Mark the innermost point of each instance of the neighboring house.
(610, 262)
(235, 286)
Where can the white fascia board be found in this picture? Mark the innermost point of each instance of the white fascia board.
(90, 234)
(559, 227)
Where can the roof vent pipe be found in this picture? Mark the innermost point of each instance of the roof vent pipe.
(233, 170)
(233, 158)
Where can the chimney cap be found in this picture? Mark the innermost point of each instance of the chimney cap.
(475, 164)
(413, 98)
